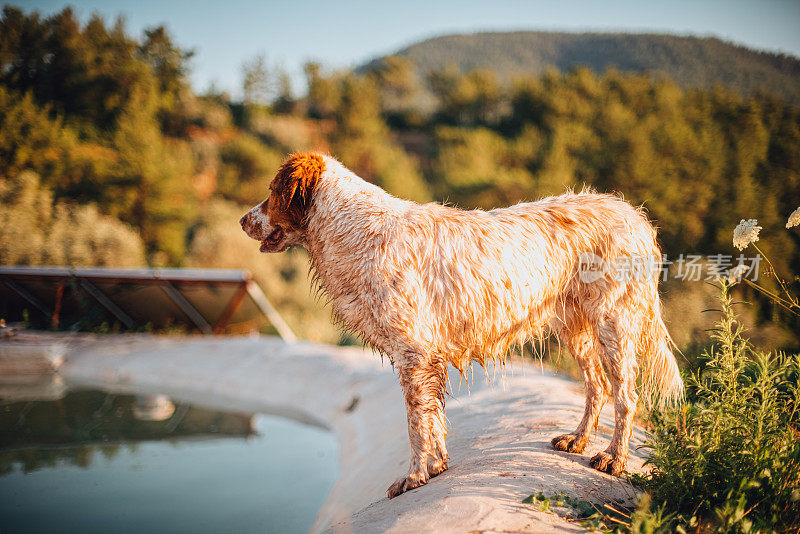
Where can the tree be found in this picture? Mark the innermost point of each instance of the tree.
(469, 99)
(364, 142)
(285, 102)
(149, 187)
(399, 87)
(29, 138)
(167, 61)
(323, 92)
(258, 85)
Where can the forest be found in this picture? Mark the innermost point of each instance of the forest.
(108, 156)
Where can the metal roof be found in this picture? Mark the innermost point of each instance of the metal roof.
(212, 301)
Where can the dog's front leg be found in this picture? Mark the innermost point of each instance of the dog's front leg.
(423, 380)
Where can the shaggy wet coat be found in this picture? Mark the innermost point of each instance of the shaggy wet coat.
(429, 285)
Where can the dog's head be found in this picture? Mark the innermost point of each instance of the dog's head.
(281, 220)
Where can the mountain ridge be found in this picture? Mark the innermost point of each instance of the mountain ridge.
(691, 61)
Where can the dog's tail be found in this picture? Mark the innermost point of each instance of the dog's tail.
(661, 378)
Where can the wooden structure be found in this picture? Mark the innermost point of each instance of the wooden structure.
(211, 301)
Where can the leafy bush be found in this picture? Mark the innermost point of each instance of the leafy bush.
(288, 133)
(34, 230)
(247, 168)
(29, 138)
(479, 168)
(729, 459)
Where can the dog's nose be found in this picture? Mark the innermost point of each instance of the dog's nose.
(243, 220)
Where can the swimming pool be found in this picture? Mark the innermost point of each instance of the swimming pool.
(96, 461)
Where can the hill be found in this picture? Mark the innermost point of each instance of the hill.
(690, 61)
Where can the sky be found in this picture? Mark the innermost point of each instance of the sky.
(342, 34)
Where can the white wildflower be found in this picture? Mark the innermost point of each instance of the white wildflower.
(794, 219)
(745, 233)
(736, 274)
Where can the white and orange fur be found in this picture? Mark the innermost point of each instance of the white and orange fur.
(429, 285)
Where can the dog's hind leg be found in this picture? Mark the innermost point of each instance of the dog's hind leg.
(423, 381)
(619, 356)
(581, 345)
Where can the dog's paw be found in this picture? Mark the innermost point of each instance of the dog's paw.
(608, 463)
(436, 467)
(409, 482)
(570, 443)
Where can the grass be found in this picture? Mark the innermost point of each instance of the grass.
(603, 518)
(578, 509)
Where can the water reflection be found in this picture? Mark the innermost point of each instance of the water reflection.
(75, 427)
(153, 408)
(95, 461)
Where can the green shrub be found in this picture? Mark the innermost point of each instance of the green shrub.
(729, 459)
(36, 231)
(247, 169)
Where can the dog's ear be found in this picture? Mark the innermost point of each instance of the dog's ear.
(294, 185)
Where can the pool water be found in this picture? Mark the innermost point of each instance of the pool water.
(93, 461)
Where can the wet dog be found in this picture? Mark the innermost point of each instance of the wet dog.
(429, 285)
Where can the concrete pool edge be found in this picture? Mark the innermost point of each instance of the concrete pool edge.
(499, 446)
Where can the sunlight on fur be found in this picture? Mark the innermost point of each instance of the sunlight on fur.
(429, 285)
